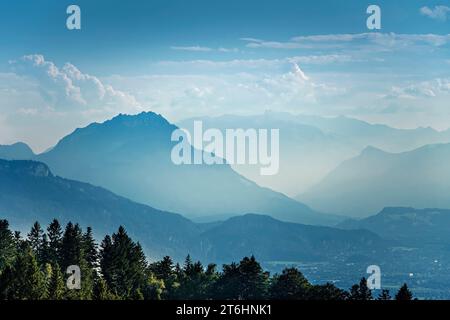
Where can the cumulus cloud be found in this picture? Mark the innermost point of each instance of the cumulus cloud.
(438, 12)
(68, 87)
(424, 89)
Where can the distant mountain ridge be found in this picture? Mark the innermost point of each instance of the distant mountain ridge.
(30, 192)
(376, 179)
(16, 151)
(130, 155)
(413, 226)
(313, 146)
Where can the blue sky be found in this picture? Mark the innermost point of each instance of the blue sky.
(185, 58)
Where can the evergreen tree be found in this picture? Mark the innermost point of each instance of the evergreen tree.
(57, 286)
(44, 252)
(54, 234)
(72, 253)
(24, 280)
(71, 246)
(361, 291)
(227, 286)
(7, 245)
(245, 280)
(290, 285)
(327, 292)
(102, 292)
(169, 274)
(123, 264)
(254, 281)
(194, 282)
(384, 295)
(90, 248)
(154, 289)
(35, 238)
(404, 294)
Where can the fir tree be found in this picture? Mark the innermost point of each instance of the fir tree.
(384, 295)
(7, 245)
(90, 248)
(35, 238)
(24, 280)
(361, 291)
(290, 285)
(404, 294)
(57, 286)
(54, 234)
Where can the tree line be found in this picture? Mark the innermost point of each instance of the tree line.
(34, 268)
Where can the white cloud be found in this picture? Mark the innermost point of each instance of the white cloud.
(203, 49)
(67, 87)
(438, 12)
(41, 102)
(388, 40)
(424, 89)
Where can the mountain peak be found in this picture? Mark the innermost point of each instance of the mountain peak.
(25, 167)
(143, 118)
(16, 151)
(372, 151)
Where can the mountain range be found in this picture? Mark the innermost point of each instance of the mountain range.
(313, 146)
(130, 155)
(375, 179)
(30, 192)
(418, 227)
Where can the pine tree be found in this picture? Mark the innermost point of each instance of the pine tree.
(35, 238)
(254, 281)
(166, 271)
(361, 291)
(24, 280)
(290, 285)
(123, 264)
(57, 286)
(102, 292)
(7, 245)
(54, 234)
(72, 253)
(404, 294)
(71, 246)
(384, 295)
(327, 292)
(90, 248)
(227, 286)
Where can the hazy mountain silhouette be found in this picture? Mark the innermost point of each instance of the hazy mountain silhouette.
(16, 151)
(273, 240)
(313, 146)
(413, 226)
(130, 155)
(375, 179)
(30, 192)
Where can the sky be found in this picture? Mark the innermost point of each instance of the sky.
(185, 58)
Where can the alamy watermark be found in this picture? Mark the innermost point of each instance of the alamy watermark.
(374, 280)
(236, 146)
(74, 280)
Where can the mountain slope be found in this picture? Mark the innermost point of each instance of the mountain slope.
(375, 179)
(272, 240)
(420, 227)
(17, 151)
(130, 155)
(313, 146)
(30, 192)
